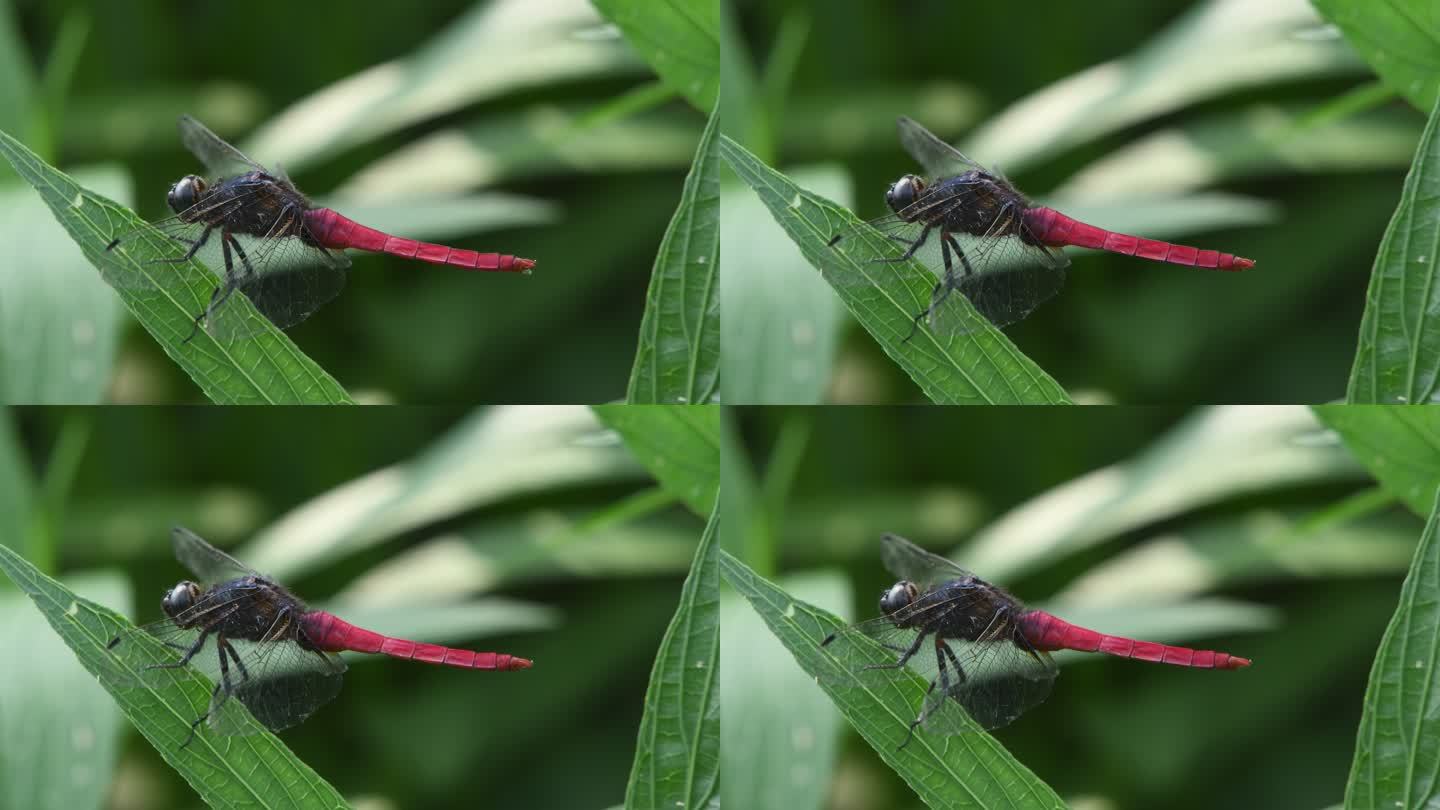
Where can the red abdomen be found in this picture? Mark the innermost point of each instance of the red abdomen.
(1049, 632)
(1058, 230)
(337, 231)
(333, 634)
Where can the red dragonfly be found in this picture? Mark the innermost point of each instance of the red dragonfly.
(271, 653)
(995, 248)
(276, 247)
(977, 646)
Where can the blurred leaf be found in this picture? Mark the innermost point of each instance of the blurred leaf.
(830, 121)
(256, 770)
(1399, 446)
(1398, 358)
(1219, 47)
(439, 623)
(782, 322)
(265, 369)
(963, 770)
(17, 485)
(1400, 39)
(623, 539)
(17, 76)
(677, 761)
(1215, 454)
(978, 368)
(437, 217)
(1264, 544)
(495, 48)
(678, 360)
(679, 38)
(69, 725)
(1399, 738)
(541, 141)
(779, 737)
(58, 323)
(678, 444)
(492, 455)
(1257, 141)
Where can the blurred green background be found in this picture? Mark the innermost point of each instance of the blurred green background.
(1245, 126)
(526, 530)
(1252, 531)
(519, 126)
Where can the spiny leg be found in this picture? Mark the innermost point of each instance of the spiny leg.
(189, 653)
(904, 658)
(914, 246)
(221, 293)
(219, 694)
(194, 247)
(928, 706)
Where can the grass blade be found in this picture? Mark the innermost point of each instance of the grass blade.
(1398, 357)
(679, 38)
(252, 771)
(982, 367)
(677, 761)
(679, 356)
(267, 369)
(960, 771)
(1399, 738)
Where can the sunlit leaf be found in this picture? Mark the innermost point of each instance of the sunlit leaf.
(982, 367)
(679, 38)
(267, 368)
(1400, 39)
(679, 445)
(1399, 446)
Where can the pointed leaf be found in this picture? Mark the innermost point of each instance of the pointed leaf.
(1399, 446)
(266, 369)
(679, 38)
(982, 367)
(1400, 39)
(678, 444)
(679, 356)
(677, 763)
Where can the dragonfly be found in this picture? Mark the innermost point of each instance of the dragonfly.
(261, 646)
(996, 248)
(275, 246)
(979, 649)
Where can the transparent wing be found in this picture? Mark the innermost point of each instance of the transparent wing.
(992, 679)
(906, 560)
(220, 158)
(939, 159)
(205, 561)
(279, 681)
(1001, 274)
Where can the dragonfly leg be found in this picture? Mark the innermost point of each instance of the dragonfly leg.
(904, 657)
(955, 246)
(189, 653)
(195, 725)
(234, 656)
(914, 246)
(194, 248)
(245, 260)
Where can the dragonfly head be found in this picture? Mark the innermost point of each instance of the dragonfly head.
(900, 595)
(904, 192)
(185, 193)
(180, 598)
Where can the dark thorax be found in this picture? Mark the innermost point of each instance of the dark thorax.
(253, 203)
(962, 609)
(250, 608)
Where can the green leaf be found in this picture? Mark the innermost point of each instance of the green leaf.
(782, 323)
(1399, 739)
(1218, 47)
(1216, 454)
(679, 38)
(495, 454)
(491, 50)
(959, 771)
(679, 356)
(982, 367)
(779, 739)
(1400, 39)
(1398, 357)
(1399, 446)
(266, 369)
(70, 726)
(58, 328)
(677, 761)
(255, 770)
(678, 444)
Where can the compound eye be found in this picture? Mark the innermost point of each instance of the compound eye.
(185, 193)
(180, 598)
(899, 596)
(903, 192)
